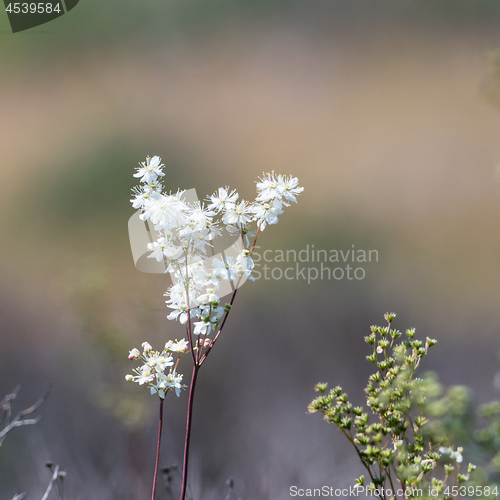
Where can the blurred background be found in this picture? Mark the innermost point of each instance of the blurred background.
(386, 111)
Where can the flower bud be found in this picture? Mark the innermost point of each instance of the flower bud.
(147, 347)
(390, 317)
(410, 333)
(134, 354)
(370, 339)
(129, 378)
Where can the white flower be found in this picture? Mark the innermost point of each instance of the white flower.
(237, 214)
(267, 213)
(290, 189)
(162, 362)
(163, 212)
(209, 297)
(170, 381)
(174, 381)
(273, 188)
(177, 346)
(140, 197)
(202, 327)
(269, 187)
(233, 230)
(149, 171)
(162, 249)
(134, 354)
(224, 270)
(186, 235)
(245, 264)
(155, 363)
(180, 311)
(211, 280)
(200, 214)
(457, 455)
(221, 198)
(157, 249)
(145, 375)
(147, 347)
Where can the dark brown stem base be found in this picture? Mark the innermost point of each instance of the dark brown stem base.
(160, 425)
(196, 367)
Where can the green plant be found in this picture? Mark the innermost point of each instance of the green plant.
(404, 439)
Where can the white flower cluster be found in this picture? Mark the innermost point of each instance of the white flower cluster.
(454, 455)
(187, 231)
(152, 372)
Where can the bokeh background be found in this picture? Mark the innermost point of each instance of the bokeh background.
(387, 111)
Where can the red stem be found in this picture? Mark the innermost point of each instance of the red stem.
(198, 360)
(188, 430)
(158, 449)
(204, 357)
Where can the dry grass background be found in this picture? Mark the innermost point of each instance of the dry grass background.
(387, 115)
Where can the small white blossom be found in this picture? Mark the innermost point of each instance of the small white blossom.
(177, 346)
(163, 361)
(291, 189)
(144, 375)
(180, 312)
(202, 327)
(224, 270)
(270, 187)
(237, 214)
(134, 354)
(222, 198)
(267, 213)
(155, 364)
(174, 381)
(457, 455)
(150, 170)
(209, 297)
(147, 347)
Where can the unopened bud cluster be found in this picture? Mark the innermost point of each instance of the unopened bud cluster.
(394, 437)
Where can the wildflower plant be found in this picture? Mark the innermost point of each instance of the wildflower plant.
(152, 372)
(488, 440)
(404, 450)
(186, 233)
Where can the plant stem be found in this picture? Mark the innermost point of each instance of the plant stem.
(188, 430)
(160, 425)
(198, 360)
